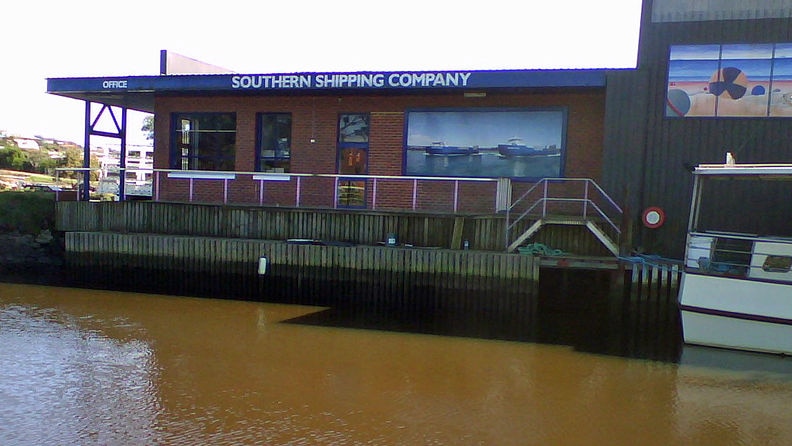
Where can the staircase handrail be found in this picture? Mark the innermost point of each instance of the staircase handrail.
(545, 199)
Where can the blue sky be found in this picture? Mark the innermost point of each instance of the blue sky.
(44, 39)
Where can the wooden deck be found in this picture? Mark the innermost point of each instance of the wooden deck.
(358, 227)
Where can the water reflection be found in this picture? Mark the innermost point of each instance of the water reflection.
(65, 378)
(570, 307)
(344, 358)
(84, 366)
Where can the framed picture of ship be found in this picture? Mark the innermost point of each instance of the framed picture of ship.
(522, 143)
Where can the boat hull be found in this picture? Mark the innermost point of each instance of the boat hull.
(449, 151)
(512, 150)
(736, 313)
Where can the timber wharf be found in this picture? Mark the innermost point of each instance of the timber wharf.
(455, 250)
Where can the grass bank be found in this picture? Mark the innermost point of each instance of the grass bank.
(27, 212)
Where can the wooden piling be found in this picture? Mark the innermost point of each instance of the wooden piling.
(454, 267)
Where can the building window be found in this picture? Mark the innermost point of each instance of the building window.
(274, 142)
(353, 137)
(204, 141)
(353, 128)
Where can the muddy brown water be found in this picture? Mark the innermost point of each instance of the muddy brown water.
(97, 366)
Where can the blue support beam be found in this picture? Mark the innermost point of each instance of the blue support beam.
(91, 130)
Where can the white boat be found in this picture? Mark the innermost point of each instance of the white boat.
(736, 289)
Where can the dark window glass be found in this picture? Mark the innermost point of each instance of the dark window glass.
(204, 141)
(274, 142)
(353, 128)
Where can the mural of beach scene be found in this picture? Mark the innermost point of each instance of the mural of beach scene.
(514, 143)
(737, 80)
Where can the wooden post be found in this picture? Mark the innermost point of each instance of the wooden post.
(456, 236)
(535, 263)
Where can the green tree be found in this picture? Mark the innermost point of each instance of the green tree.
(72, 157)
(39, 161)
(148, 127)
(8, 142)
(12, 158)
(95, 165)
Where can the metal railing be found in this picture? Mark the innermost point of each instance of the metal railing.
(195, 179)
(581, 198)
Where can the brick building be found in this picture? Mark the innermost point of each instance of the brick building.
(245, 139)
(300, 139)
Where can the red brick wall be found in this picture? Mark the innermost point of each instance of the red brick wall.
(314, 118)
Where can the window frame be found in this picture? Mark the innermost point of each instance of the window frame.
(352, 186)
(195, 159)
(279, 161)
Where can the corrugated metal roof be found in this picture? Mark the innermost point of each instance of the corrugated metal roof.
(704, 10)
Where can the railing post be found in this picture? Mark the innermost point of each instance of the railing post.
(456, 195)
(374, 195)
(261, 192)
(297, 200)
(544, 198)
(225, 191)
(335, 193)
(508, 226)
(191, 190)
(415, 193)
(156, 186)
(585, 199)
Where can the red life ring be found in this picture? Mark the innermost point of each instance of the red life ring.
(653, 217)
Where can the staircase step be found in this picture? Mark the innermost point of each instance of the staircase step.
(612, 247)
(564, 220)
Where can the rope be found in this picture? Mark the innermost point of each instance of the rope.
(652, 260)
(539, 249)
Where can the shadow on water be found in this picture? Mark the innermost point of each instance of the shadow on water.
(575, 308)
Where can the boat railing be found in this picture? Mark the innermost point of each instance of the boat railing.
(739, 255)
(582, 198)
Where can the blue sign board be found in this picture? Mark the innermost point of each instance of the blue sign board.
(390, 80)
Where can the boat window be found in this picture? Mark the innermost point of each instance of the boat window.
(732, 256)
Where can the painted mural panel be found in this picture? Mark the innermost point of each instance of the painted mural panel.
(491, 143)
(737, 80)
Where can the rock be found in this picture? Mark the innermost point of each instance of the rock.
(44, 237)
(25, 249)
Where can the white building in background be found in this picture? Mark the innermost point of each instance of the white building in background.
(139, 170)
(26, 143)
(138, 173)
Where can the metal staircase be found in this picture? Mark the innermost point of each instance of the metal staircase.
(564, 201)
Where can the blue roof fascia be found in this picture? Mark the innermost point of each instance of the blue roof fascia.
(367, 81)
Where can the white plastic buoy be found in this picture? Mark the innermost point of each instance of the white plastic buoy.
(262, 267)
